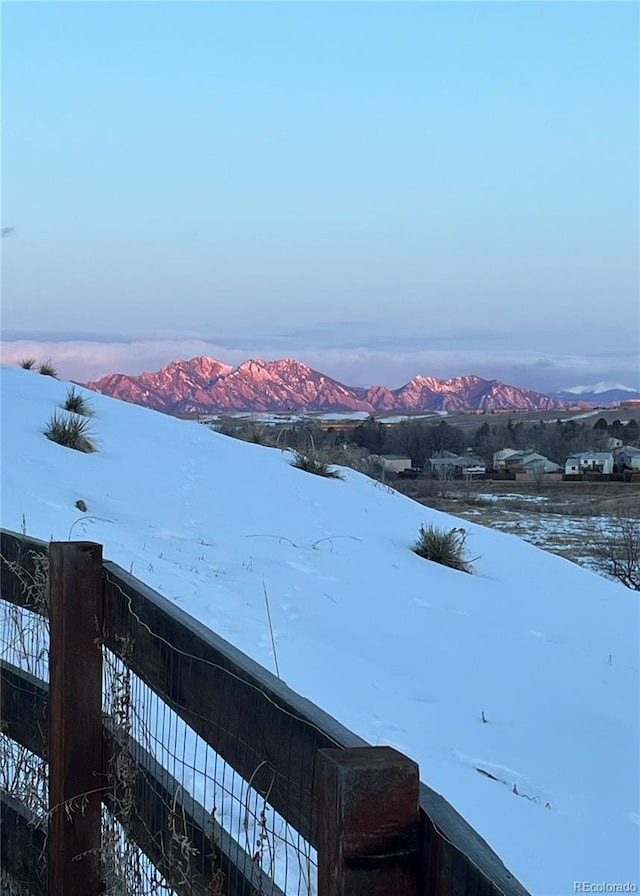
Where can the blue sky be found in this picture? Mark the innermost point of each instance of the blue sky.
(380, 189)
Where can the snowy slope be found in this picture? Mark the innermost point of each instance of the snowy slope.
(400, 650)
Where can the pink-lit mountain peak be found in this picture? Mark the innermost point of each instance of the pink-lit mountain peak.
(288, 367)
(201, 367)
(205, 385)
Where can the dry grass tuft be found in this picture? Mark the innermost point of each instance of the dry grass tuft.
(446, 548)
(70, 431)
(312, 463)
(47, 369)
(76, 403)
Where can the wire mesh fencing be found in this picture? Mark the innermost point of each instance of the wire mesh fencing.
(24, 644)
(186, 778)
(201, 805)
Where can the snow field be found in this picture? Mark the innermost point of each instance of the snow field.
(402, 651)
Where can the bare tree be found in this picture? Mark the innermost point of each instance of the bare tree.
(617, 552)
(538, 475)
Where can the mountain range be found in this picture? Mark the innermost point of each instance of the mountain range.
(600, 395)
(204, 385)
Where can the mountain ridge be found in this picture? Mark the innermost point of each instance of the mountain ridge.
(600, 395)
(598, 389)
(205, 385)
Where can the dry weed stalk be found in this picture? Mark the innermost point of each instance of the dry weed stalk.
(25, 630)
(126, 870)
(217, 878)
(181, 851)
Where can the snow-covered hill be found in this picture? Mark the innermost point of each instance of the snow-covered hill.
(401, 650)
(599, 388)
(601, 394)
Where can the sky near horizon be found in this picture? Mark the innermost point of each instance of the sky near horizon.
(379, 189)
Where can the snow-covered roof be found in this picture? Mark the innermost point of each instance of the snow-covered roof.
(591, 455)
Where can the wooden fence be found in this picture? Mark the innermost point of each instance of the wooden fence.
(377, 830)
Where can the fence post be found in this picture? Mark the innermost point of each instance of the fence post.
(75, 718)
(368, 822)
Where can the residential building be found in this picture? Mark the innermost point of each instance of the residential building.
(628, 457)
(395, 463)
(589, 461)
(500, 457)
(450, 465)
(529, 461)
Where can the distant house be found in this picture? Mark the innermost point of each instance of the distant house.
(395, 463)
(449, 465)
(529, 461)
(628, 457)
(538, 463)
(500, 457)
(443, 467)
(589, 461)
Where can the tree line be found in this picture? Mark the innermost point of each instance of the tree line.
(420, 440)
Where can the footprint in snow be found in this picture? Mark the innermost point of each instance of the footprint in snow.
(289, 613)
(543, 637)
(299, 567)
(388, 726)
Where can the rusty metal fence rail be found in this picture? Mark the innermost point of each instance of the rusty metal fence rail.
(163, 760)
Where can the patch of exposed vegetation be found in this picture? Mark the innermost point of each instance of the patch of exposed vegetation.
(312, 463)
(70, 431)
(47, 369)
(76, 403)
(445, 547)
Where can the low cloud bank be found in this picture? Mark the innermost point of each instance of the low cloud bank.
(390, 362)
